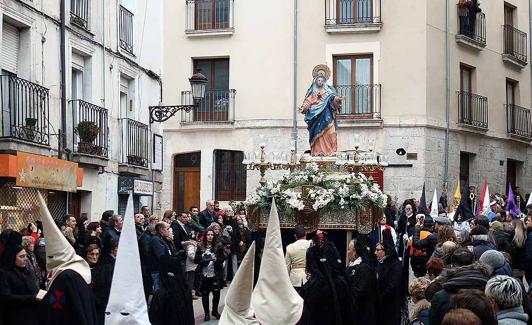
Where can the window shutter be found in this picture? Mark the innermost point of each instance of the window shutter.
(10, 45)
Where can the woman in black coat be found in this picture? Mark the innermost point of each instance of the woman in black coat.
(101, 278)
(389, 271)
(362, 282)
(210, 257)
(18, 289)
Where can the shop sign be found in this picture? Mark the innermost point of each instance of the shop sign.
(137, 186)
(142, 187)
(46, 173)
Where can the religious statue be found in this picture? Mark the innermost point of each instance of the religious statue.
(320, 107)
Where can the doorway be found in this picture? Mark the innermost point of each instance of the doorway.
(187, 181)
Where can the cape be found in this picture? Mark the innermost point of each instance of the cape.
(69, 301)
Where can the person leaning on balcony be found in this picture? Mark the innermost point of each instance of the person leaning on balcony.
(463, 13)
(474, 8)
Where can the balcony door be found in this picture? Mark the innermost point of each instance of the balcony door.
(353, 78)
(215, 105)
(354, 11)
(211, 14)
(509, 32)
(510, 92)
(466, 74)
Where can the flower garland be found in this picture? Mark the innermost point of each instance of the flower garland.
(328, 191)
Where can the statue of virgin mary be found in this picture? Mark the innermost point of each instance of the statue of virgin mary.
(320, 106)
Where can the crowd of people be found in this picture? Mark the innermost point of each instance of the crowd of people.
(415, 267)
(207, 246)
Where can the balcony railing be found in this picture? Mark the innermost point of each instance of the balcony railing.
(79, 12)
(217, 106)
(519, 121)
(352, 12)
(126, 29)
(209, 15)
(135, 143)
(362, 101)
(91, 131)
(515, 44)
(25, 110)
(472, 110)
(472, 27)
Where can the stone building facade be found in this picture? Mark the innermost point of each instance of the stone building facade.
(411, 77)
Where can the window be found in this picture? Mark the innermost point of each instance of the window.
(126, 29)
(79, 12)
(511, 87)
(230, 175)
(464, 168)
(215, 105)
(212, 14)
(509, 11)
(10, 48)
(353, 78)
(466, 76)
(354, 11)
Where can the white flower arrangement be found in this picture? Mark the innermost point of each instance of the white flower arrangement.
(329, 191)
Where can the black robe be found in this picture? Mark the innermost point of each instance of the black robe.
(17, 297)
(102, 276)
(172, 304)
(69, 301)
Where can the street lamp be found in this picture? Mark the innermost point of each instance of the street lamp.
(198, 83)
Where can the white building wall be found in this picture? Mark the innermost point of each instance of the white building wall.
(39, 62)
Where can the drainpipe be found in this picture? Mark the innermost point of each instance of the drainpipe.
(104, 70)
(447, 97)
(530, 31)
(63, 79)
(294, 118)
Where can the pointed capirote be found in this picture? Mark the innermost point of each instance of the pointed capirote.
(434, 206)
(237, 310)
(486, 207)
(529, 202)
(423, 203)
(127, 304)
(60, 255)
(274, 299)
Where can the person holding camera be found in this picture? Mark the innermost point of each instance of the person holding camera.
(210, 257)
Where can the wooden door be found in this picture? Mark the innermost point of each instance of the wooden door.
(74, 207)
(186, 188)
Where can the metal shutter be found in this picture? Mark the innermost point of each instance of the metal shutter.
(10, 45)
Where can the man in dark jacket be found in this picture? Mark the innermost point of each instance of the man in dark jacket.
(479, 241)
(181, 233)
(143, 239)
(194, 222)
(158, 248)
(424, 243)
(104, 222)
(206, 217)
(472, 276)
(112, 235)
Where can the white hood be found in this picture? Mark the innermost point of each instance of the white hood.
(60, 255)
(486, 208)
(274, 299)
(434, 205)
(529, 202)
(127, 304)
(237, 310)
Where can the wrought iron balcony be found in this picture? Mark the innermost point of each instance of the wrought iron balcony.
(90, 126)
(472, 110)
(352, 15)
(471, 29)
(362, 101)
(126, 29)
(209, 16)
(25, 110)
(519, 121)
(217, 106)
(135, 143)
(515, 45)
(79, 12)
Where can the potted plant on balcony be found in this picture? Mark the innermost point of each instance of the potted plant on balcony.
(88, 131)
(135, 160)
